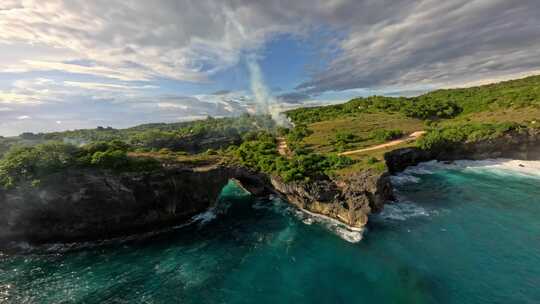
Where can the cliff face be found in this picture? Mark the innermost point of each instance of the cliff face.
(523, 145)
(349, 200)
(91, 204)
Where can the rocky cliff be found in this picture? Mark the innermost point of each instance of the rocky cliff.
(524, 145)
(94, 204)
(349, 199)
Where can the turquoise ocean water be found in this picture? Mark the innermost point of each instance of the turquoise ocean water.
(459, 234)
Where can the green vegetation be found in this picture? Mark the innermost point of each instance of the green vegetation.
(450, 116)
(324, 137)
(445, 137)
(183, 136)
(423, 107)
(385, 135)
(343, 140)
(261, 154)
(440, 104)
(31, 163)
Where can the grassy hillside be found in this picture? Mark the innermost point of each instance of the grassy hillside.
(449, 116)
(436, 105)
(357, 131)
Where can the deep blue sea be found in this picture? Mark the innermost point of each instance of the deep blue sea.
(465, 233)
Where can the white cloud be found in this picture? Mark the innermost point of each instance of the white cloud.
(107, 86)
(437, 43)
(137, 40)
(113, 72)
(170, 105)
(74, 105)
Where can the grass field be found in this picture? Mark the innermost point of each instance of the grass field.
(519, 115)
(361, 125)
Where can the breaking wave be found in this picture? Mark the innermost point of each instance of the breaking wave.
(497, 166)
(347, 233)
(404, 178)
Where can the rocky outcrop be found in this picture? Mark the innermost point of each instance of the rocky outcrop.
(349, 199)
(91, 204)
(524, 145)
(78, 205)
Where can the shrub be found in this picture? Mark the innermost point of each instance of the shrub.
(385, 135)
(29, 163)
(372, 160)
(343, 140)
(298, 133)
(111, 159)
(262, 155)
(446, 137)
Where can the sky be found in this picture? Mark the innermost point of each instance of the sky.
(81, 64)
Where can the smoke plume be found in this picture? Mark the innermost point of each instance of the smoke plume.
(265, 102)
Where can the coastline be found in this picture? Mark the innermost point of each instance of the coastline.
(65, 209)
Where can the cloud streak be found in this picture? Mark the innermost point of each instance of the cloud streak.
(436, 43)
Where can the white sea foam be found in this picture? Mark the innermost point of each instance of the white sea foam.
(404, 178)
(347, 233)
(350, 236)
(505, 167)
(402, 210)
(205, 217)
(497, 166)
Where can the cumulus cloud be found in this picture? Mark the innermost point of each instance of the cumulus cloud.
(437, 43)
(137, 40)
(73, 105)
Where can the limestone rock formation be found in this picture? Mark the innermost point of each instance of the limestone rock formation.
(349, 200)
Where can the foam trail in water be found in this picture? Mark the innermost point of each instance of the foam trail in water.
(401, 210)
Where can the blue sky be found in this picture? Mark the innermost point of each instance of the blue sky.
(81, 64)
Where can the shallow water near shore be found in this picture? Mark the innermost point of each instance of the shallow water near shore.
(460, 233)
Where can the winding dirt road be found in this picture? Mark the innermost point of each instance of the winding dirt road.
(410, 137)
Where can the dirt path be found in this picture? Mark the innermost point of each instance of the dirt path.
(283, 149)
(410, 137)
